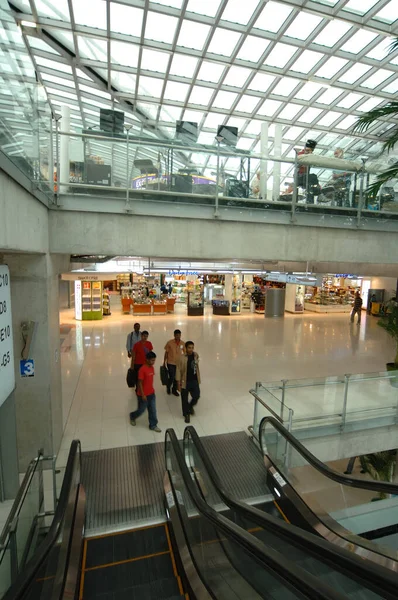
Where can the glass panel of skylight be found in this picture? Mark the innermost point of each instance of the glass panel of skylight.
(91, 13)
(193, 35)
(254, 127)
(329, 118)
(160, 27)
(273, 16)
(213, 120)
(310, 114)
(53, 91)
(252, 49)
(39, 44)
(171, 113)
(355, 73)
(52, 64)
(247, 104)
(176, 91)
(95, 91)
(261, 82)
(211, 71)
(285, 86)
(302, 26)
(377, 78)
(154, 60)
(149, 86)
(290, 111)
(237, 76)
(150, 110)
(358, 41)
(280, 55)
(173, 3)
(331, 67)
(200, 95)
(308, 91)
(347, 122)
(224, 42)
(124, 54)
(204, 7)
(59, 80)
(380, 51)
(370, 104)
(123, 82)
(306, 61)
(388, 13)
(206, 138)
(92, 48)
(126, 19)
(193, 115)
(360, 6)
(349, 100)
(53, 10)
(224, 100)
(183, 65)
(392, 88)
(332, 33)
(293, 133)
(237, 11)
(244, 143)
(269, 107)
(329, 96)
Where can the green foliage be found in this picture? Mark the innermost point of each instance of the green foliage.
(380, 466)
(390, 323)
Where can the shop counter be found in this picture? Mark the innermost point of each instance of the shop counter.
(221, 307)
(143, 309)
(170, 302)
(159, 308)
(126, 305)
(328, 308)
(196, 311)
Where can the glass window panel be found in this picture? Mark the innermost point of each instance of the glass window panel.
(66, 38)
(183, 65)
(82, 75)
(55, 10)
(211, 71)
(237, 11)
(355, 73)
(59, 80)
(51, 64)
(153, 60)
(294, 132)
(252, 49)
(261, 82)
(237, 122)
(92, 48)
(280, 55)
(124, 54)
(370, 104)
(360, 6)
(308, 91)
(237, 76)
(332, 33)
(90, 12)
(193, 35)
(213, 120)
(347, 122)
(377, 78)
(306, 61)
(310, 114)
(126, 19)
(39, 44)
(392, 88)
(358, 41)
(150, 110)
(273, 16)
(329, 118)
(206, 138)
(380, 51)
(95, 91)
(290, 111)
(200, 95)
(244, 143)
(302, 26)
(160, 27)
(204, 7)
(285, 86)
(247, 104)
(329, 96)
(254, 127)
(53, 91)
(172, 113)
(269, 107)
(224, 99)
(149, 86)
(388, 13)
(193, 115)
(349, 100)
(331, 67)
(173, 3)
(176, 91)
(224, 42)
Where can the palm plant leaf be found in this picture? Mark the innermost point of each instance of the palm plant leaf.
(364, 122)
(382, 178)
(393, 46)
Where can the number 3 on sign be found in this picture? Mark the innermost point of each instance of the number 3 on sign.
(27, 368)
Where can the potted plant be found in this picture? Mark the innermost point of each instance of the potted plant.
(380, 466)
(389, 322)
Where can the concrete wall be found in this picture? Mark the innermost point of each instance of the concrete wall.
(23, 219)
(115, 234)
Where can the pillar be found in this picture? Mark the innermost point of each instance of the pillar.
(38, 399)
(276, 186)
(64, 148)
(264, 162)
(228, 288)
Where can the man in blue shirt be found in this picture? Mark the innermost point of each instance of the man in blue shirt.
(133, 338)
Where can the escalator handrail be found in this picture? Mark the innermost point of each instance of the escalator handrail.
(365, 484)
(281, 568)
(26, 578)
(375, 575)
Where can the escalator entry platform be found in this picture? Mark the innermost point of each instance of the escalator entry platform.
(138, 565)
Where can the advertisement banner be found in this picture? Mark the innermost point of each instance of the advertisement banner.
(7, 373)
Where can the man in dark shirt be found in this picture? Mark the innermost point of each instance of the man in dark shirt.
(357, 308)
(188, 378)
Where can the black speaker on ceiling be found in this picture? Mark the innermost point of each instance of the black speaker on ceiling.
(187, 131)
(230, 134)
(111, 121)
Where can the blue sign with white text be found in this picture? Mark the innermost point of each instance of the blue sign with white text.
(27, 368)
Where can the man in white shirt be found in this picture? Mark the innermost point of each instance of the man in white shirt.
(133, 338)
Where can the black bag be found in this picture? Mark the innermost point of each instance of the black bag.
(164, 375)
(131, 378)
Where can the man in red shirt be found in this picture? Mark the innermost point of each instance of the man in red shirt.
(146, 394)
(139, 352)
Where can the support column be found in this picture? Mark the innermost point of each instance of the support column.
(264, 162)
(64, 148)
(276, 186)
(38, 399)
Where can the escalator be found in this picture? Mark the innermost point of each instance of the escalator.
(198, 553)
(340, 565)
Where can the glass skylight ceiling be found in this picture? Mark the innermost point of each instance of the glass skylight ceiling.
(312, 70)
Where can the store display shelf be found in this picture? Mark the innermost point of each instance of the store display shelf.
(327, 308)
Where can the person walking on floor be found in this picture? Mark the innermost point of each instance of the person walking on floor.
(188, 377)
(146, 394)
(140, 352)
(356, 308)
(133, 338)
(174, 349)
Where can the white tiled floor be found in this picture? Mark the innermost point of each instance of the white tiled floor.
(235, 352)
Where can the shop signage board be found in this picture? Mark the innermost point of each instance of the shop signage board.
(7, 373)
